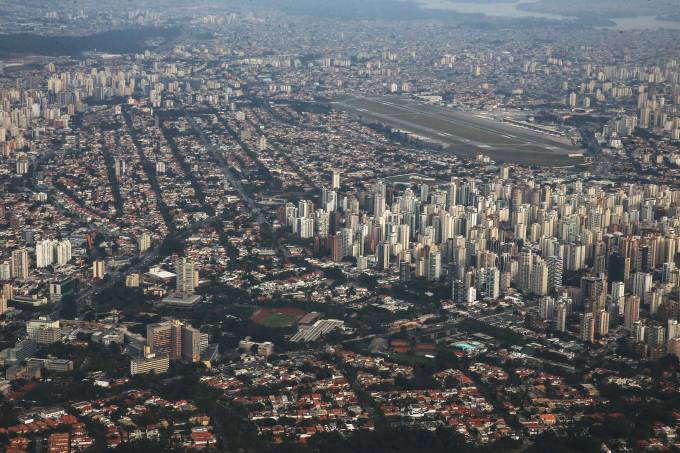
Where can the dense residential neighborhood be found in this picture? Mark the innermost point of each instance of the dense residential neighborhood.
(246, 227)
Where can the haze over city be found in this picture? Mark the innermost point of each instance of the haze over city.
(321, 226)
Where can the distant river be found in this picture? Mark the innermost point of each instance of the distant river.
(509, 9)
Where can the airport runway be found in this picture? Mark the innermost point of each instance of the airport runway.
(463, 133)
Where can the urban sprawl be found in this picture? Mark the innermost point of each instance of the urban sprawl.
(259, 229)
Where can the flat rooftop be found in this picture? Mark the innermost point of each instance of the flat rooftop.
(179, 301)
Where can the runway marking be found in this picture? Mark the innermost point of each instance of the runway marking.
(410, 119)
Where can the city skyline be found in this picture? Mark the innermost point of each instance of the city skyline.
(319, 226)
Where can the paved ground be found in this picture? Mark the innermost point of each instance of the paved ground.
(464, 133)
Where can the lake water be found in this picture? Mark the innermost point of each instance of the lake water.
(501, 9)
(509, 9)
(644, 23)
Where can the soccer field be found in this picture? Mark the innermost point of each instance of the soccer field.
(277, 317)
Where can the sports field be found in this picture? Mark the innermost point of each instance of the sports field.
(277, 317)
(463, 133)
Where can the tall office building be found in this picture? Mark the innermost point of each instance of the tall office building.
(335, 244)
(561, 313)
(305, 227)
(670, 273)
(554, 272)
(525, 267)
(602, 323)
(616, 267)
(504, 172)
(656, 336)
(144, 242)
(642, 284)
(347, 238)
(62, 252)
(404, 271)
(5, 270)
(150, 363)
(329, 200)
(305, 208)
(175, 340)
(262, 143)
(452, 193)
(546, 308)
(43, 330)
(22, 164)
(382, 255)
(434, 264)
(119, 167)
(321, 223)
(163, 339)
(44, 253)
(672, 330)
(378, 205)
(458, 291)
(98, 269)
(618, 292)
(8, 290)
(335, 180)
(185, 279)
(572, 101)
(403, 235)
(587, 330)
(132, 281)
(493, 282)
(593, 293)
(20, 269)
(638, 331)
(539, 278)
(191, 344)
(631, 311)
